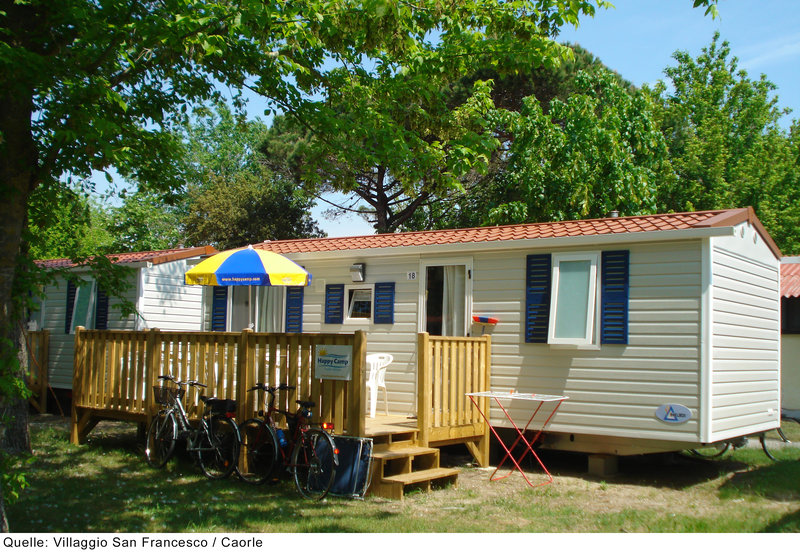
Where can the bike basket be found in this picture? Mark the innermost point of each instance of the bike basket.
(165, 395)
(222, 406)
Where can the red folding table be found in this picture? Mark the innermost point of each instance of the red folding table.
(538, 401)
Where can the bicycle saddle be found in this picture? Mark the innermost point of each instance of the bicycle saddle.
(305, 404)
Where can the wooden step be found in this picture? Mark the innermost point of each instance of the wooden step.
(400, 452)
(426, 475)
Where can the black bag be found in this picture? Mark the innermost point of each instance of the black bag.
(355, 466)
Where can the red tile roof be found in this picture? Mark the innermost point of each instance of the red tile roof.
(790, 279)
(154, 257)
(593, 227)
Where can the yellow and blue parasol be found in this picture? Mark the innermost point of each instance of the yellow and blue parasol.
(247, 267)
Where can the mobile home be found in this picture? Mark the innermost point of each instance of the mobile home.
(662, 330)
(156, 290)
(790, 336)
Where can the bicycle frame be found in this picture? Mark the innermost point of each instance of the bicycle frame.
(298, 423)
(192, 433)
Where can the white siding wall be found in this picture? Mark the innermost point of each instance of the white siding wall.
(613, 390)
(166, 302)
(398, 339)
(62, 345)
(745, 376)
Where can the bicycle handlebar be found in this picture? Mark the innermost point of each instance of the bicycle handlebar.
(271, 389)
(184, 383)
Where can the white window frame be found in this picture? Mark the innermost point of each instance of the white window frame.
(348, 308)
(591, 308)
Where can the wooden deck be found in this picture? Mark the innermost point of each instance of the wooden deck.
(383, 425)
(115, 372)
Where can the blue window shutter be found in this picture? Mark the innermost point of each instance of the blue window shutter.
(538, 283)
(101, 310)
(294, 308)
(384, 303)
(615, 276)
(334, 304)
(219, 308)
(70, 306)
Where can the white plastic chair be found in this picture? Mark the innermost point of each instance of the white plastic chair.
(377, 363)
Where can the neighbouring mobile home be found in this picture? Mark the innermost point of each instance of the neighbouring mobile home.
(790, 336)
(156, 290)
(662, 330)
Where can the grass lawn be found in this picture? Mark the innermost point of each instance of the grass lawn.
(105, 486)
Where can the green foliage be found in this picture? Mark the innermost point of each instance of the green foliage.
(247, 208)
(233, 198)
(66, 223)
(600, 150)
(13, 478)
(726, 145)
(144, 222)
(546, 83)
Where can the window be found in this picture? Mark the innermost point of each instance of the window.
(572, 301)
(359, 303)
(561, 297)
(87, 306)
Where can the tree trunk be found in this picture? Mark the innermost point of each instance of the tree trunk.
(18, 176)
(18, 166)
(3, 518)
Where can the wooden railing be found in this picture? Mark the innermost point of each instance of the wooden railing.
(449, 368)
(38, 359)
(115, 372)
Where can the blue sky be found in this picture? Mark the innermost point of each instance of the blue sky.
(637, 38)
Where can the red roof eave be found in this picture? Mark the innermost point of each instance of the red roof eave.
(528, 231)
(154, 257)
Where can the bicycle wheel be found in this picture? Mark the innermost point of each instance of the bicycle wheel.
(218, 447)
(763, 439)
(314, 464)
(160, 440)
(711, 451)
(259, 452)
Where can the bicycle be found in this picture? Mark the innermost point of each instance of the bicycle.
(309, 454)
(213, 440)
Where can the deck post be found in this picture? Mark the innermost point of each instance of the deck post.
(79, 361)
(482, 451)
(358, 387)
(244, 361)
(151, 372)
(423, 388)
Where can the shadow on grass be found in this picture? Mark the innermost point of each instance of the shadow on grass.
(779, 481)
(788, 523)
(106, 485)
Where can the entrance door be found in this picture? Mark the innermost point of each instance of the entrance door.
(446, 300)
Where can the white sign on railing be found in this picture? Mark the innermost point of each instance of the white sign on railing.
(334, 362)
